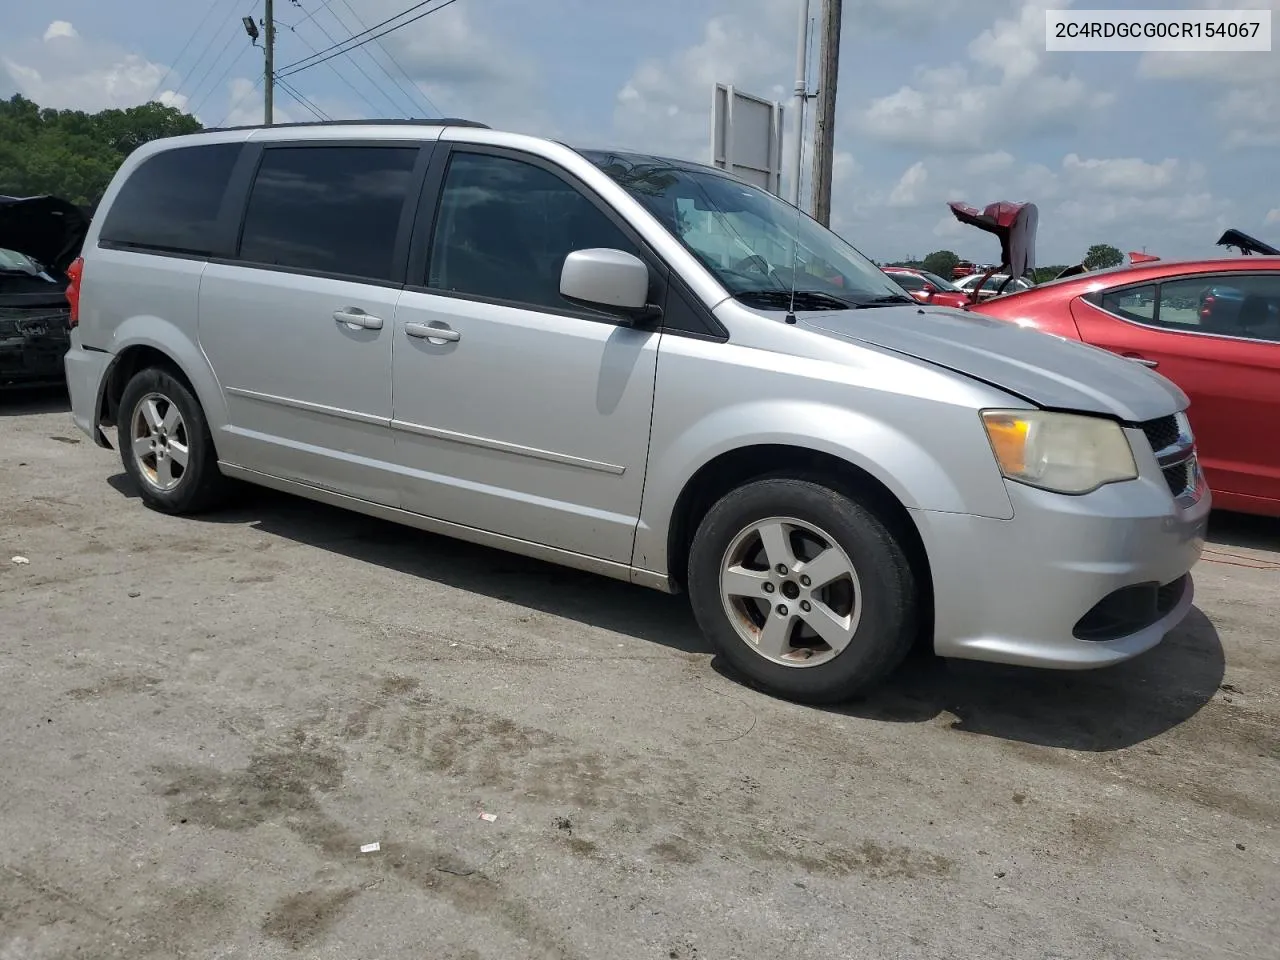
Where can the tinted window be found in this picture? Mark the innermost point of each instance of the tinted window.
(1236, 306)
(171, 201)
(1135, 303)
(505, 227)
(330, 209)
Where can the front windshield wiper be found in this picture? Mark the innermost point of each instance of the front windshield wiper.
(804, 299)
(888, 300)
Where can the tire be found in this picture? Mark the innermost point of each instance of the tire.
(868, 618)
(181, 488)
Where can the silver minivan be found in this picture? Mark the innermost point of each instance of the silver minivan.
(636, 366)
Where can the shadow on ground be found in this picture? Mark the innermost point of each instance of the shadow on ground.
(1242, 530)
(27, 401)
(1096, 710)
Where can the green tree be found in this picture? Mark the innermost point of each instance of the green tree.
(941, 262)
(1103, 255)
(1048, 273)
(73, 154)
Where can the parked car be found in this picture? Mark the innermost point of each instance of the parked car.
(927, 287)
(991, 287)
(39, 238)
(558, 353)
(1212, 327)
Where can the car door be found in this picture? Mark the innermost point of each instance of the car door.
(515, 411)
(1223, 351)
(298, 325)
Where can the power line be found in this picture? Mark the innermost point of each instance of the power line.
(225, 73)
(402, 13)
(302, 99)
(199, 84)
(240, 99)
(175, 61)
(354, 89)
(364, 73)
(413, 86)
(304, 65)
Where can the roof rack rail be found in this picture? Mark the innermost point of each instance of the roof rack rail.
(437, 122)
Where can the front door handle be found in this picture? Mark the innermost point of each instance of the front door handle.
(1142, 360)
(425, 331)
(355, 317)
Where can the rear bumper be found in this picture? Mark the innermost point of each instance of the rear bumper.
(31, 350)
(86, 372)
(1030, 590)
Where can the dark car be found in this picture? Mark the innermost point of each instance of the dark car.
(39, 238)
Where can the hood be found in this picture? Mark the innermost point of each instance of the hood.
(48, 229)
(1246, 244)
(1046, 370)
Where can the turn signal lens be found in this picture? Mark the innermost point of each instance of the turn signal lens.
(74, 273)
(1062, 452)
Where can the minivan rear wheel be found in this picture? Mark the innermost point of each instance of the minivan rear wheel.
(802, 589)
(166, 446)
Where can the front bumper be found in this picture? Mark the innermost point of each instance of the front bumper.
(1026, 590)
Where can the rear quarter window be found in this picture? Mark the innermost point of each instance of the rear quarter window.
(170, 203)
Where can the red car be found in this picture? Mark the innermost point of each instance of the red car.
(1210, 326)
(928, 287)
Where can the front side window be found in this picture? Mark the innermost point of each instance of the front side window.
(753, 242)
(170, 202)
(505, 227)
(1234, 306)
(333, 210)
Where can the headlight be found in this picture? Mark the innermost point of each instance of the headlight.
(1062, 452)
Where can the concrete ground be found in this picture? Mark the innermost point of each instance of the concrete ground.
(205, 720)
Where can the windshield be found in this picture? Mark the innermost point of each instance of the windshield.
(11, 261)
(752, 241)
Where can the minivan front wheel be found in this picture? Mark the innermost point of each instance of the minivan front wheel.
(166, 446)
(802, 589)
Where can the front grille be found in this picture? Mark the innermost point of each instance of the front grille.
(1161, 433)
(1178, 477)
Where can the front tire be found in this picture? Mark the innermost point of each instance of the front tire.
(166, 446)
(802, 589)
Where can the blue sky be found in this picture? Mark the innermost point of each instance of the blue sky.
(938, 99)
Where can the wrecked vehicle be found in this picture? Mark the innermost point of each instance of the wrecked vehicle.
(39, 238)
(1014, 225)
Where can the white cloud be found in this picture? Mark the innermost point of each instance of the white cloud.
(1122, 173)
(465, 70)
(59, 28)
(907, 192)
(1247, 106)
(68, 71)
(1005, 90)
(989, 162)
(1273, 216)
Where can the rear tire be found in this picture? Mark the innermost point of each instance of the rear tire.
(166, 446)
(802, 589)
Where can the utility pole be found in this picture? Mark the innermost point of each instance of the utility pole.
(824, 133)
(269, 76)
(802, 98)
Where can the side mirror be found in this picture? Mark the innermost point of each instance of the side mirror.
(605, 278)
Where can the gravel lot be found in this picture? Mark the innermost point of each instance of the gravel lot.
(206, 719)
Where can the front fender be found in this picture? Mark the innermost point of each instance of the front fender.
(959, 476)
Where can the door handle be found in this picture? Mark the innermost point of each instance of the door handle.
(355, 317)
(425, 331)
(1142, 360)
